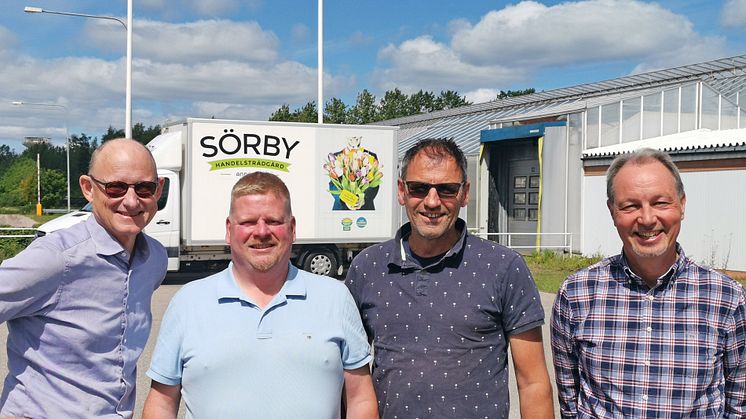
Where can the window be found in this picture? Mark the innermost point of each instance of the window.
(671, 111)
(631, 119)
(592, 128)
(688, 108)
(651, 115)
(610, 124)
(163, 200)
(728, 114)
(710, 108)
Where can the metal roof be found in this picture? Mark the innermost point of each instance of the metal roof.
(683, 141)
(714, 72)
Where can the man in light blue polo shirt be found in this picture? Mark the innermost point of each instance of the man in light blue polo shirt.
(261, 339)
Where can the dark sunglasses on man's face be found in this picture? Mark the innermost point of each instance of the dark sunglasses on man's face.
(445, 190)
(118, 189)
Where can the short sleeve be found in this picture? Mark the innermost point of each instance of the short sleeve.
(522, 309)
(356, 349)
(166, 362)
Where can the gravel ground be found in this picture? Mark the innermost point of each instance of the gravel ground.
(16, 220)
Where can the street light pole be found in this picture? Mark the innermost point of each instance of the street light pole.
(128, 78)
(67, 137)
(320, 61)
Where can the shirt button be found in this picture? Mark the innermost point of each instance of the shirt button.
(648, 329)
(645, 397)
(646, 363)
(651, 298)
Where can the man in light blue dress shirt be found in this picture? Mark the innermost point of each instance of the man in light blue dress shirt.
(261, 339)
(77, 301)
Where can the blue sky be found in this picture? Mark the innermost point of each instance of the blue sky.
(244, 58)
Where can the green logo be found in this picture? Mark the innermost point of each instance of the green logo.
(249, 162)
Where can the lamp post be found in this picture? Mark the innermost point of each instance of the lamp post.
(320, 60)
(128, 78)
(67, 137)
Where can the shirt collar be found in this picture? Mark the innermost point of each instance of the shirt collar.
(294, 286)
(107, 245)
(667, 276)
(404, 260)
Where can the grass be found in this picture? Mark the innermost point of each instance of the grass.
(550, 269)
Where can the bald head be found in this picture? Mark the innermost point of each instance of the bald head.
(118, 147)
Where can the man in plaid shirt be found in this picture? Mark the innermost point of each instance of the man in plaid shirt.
(649, 333)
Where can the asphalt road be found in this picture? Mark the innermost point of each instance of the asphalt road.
(172, 284)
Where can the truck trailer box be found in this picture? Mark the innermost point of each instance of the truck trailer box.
(342, 178)
(313, 161)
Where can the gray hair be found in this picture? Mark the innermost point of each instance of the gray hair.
(638, 157)
(438, 148)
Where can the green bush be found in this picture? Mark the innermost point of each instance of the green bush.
(550, 268)
(10, 247)
(553, 260)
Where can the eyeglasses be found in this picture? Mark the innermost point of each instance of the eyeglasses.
(445, 190)
(118, 189)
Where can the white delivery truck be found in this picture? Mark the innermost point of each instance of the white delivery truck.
(342, 182)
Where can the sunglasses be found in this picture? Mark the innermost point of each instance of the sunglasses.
(118, 189)
(445, 190)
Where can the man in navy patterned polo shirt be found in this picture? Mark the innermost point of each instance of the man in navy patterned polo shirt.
(649, 333)
(441, 305)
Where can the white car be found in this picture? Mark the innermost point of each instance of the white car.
(65, 221)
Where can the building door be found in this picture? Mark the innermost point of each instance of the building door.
(523, 201)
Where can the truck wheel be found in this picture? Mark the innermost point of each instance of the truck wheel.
(320, 262)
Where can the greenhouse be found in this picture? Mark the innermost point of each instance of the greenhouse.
(537, 162)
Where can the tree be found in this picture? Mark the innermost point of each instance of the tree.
(282, 114)
(335, 112)
(307, 113)
(18, 184)
(81, 148)
(111, 134)
(7, 155)
(450, 99)
(394, 104)
(514, 93)
(139, 133)
(53, 188)
(365, 110)
(52, 157)
(421, 102)
(144, 135)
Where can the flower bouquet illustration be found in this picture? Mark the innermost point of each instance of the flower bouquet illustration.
(354, 175)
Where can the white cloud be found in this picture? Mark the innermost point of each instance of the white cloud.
(423, 63)
(531, 34)
(509, 45)
(481, 95)
(191, 41)
(215, 7)
(734, 13)
(199, 69)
